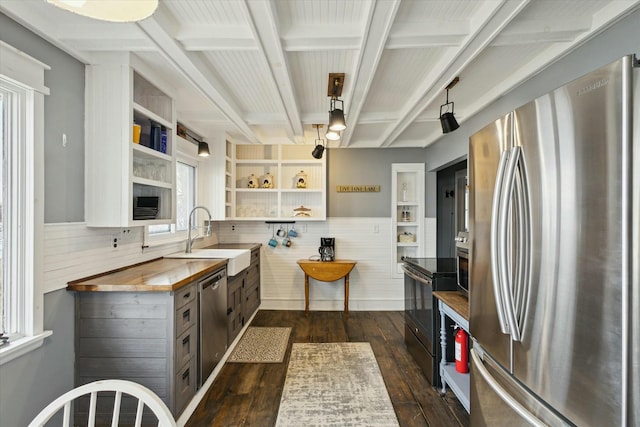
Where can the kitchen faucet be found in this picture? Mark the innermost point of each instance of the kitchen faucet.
(207, 232)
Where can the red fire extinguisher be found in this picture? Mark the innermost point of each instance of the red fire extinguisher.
(462, 351)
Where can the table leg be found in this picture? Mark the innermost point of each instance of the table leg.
(346, 294)
(306, 294)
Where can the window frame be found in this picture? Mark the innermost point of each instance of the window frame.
(183, 155)
(22, 81)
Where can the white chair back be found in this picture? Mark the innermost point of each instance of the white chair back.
(144, 396)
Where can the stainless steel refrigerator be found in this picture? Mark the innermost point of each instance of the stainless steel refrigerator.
(555, 254)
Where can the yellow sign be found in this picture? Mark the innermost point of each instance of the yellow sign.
(358, 188)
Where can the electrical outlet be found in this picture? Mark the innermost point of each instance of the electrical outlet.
(376, 228)
(233, 227)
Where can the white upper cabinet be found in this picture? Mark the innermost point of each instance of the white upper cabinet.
(407, 213)
(130, 180)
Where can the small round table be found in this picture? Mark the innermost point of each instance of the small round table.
(326, 271)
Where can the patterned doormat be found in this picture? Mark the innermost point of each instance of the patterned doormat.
(334, 384)
(261, 345)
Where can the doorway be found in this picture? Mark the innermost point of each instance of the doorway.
(451, 207)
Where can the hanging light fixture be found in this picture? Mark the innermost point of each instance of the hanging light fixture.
(447, 120)
(332, 135)
(337, 122)
(203, 149)
(109, 10)
(320, 144)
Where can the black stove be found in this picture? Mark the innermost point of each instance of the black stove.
(422, 317)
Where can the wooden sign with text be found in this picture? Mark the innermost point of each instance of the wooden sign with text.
(358, 188)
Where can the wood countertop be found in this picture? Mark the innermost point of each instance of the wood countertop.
(454, 299)
(158, 275)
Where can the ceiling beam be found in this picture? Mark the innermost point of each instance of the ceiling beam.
(488, 24)
(200, 37)
(376, 33)
(264, 24)
(194, 69)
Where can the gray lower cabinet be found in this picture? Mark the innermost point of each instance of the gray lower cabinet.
(147, 337)
(243, 296)
(235, 315)
(252, 285)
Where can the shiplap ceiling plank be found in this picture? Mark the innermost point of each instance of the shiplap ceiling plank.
(259, 68)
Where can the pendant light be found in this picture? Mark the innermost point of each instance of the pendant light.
(318, 150)
(447, 119)
(332, 135)
(203, 149)
(109, 10)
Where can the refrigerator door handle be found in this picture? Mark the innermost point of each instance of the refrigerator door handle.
(506, 281)
(496, 220)
(502, 393)
(523, 276)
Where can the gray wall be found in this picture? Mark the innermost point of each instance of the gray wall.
(369, 166)
(31, 382)
(63, 113)
(34, 380)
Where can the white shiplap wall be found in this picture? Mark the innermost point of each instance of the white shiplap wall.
(73, 251)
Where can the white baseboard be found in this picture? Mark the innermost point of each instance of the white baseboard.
(334, 305)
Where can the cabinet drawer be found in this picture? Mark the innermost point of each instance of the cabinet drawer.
(186, 347)
(186, 317)
(185, 385)
(185, 295)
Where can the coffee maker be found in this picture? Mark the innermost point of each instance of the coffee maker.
(327, 249)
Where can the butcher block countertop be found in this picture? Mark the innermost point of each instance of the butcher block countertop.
(455, 300)
(158, 275)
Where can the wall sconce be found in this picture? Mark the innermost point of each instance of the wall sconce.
(447, 120)
(320, 144)
(203, 149)
(109, 10)
(336, 115)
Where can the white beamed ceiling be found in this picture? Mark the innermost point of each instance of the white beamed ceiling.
(259, 68)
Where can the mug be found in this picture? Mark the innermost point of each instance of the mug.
(286, 242)
(293, 233)
(273, 242)
(281, 232)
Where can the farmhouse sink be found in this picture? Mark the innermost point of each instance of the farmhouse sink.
(239, 259)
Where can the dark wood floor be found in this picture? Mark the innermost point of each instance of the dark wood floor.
(248, 394)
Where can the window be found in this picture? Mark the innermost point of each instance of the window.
(185, 201)
(186, 190)
(22, 217)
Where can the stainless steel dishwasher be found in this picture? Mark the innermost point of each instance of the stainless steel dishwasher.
(212, 330)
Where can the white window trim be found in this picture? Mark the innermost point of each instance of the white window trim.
(26, 75)
(190, 158)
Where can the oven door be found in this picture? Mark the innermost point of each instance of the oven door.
(419, 305)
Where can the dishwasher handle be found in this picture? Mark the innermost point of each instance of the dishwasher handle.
(214, 280)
